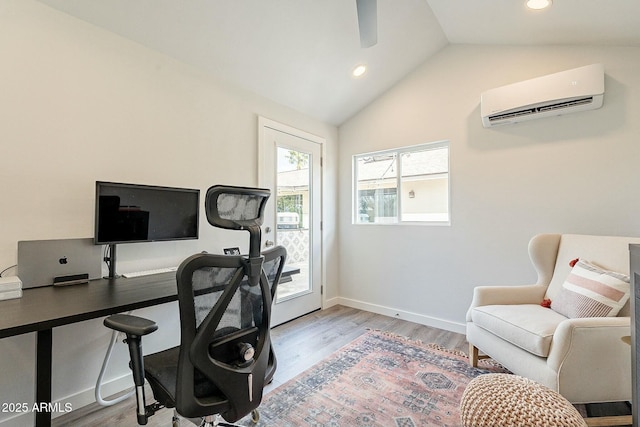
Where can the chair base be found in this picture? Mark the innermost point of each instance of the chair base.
(211, 421)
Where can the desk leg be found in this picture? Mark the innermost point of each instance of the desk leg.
(44, 346)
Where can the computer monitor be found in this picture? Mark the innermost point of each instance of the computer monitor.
(131, 213)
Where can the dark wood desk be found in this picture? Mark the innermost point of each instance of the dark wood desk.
(42, 309)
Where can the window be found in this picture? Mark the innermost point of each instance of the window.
(405, 185)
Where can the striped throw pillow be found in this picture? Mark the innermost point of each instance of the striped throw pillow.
(590, 291)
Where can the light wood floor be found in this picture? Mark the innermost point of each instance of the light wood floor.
(299, 345)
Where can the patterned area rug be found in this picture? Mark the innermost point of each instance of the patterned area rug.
(379, 379)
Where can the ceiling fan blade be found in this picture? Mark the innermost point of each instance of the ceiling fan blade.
(368, 22)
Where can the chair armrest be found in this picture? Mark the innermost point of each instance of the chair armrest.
(506, 295)
(130, 325)
(588, 337)
(589, 351)
(135, 327)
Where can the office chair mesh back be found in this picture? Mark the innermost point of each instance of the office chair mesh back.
(204, 299)
(208, 285)
(245, 308)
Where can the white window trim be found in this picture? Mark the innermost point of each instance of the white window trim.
(399, 151)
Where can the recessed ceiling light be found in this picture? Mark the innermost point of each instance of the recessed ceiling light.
(359, 70)
(538, 4)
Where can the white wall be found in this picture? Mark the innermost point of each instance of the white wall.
(571, 174)
(78, 104)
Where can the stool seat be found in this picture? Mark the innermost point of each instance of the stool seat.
(505, 400)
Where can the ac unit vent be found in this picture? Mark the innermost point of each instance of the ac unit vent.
(567, 104)
(544, 108)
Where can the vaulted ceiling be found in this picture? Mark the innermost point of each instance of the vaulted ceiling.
(300, 53)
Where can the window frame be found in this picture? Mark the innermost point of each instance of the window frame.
(398, 153)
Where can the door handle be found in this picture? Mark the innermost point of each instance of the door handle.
(268, 243)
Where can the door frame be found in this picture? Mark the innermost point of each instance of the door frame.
(265, 123)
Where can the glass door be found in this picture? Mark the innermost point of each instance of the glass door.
(291, 169)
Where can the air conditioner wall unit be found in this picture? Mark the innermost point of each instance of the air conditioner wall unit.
(570, 91)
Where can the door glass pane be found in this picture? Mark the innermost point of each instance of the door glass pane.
(293, 219)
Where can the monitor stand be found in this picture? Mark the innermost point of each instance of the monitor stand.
(111, 262)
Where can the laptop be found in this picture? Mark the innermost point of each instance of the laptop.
(40, 261)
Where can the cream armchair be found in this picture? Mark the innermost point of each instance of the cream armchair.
(584, 359)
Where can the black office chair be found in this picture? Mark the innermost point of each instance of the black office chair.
(225, 356)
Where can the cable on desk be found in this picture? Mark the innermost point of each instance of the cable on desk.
(6, 269)
(106, 256)
(107, 356)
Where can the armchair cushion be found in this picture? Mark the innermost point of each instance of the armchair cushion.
(528, 326)
(591, 291)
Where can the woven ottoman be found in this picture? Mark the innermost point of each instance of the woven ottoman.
(503, 400)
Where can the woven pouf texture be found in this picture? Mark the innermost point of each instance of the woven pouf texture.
(504, 400)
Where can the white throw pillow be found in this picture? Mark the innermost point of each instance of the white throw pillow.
(590, 291)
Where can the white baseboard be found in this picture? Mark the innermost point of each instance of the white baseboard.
(72, 402)
(109, 388)
(400, 314)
